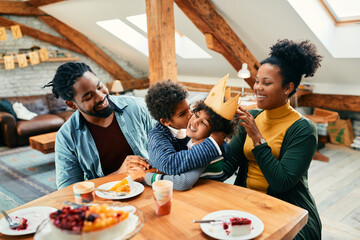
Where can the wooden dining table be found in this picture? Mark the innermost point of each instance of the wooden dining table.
(281, 219)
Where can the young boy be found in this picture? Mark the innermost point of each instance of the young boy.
(168, 153)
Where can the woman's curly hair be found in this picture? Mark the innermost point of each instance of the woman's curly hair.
(65, 77)
(217, 122)
(294, 60)
(163, 97)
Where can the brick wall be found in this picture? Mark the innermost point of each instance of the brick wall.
(28, 81)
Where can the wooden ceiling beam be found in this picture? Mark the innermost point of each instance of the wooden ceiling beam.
(91, 50)
(205, 17)
(57, 41)
(19, 8)
(161, 39)
(213, 44)
(39, 3)
(142, 83)
(334, 102)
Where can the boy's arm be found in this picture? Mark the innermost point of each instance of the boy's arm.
(182, 182)
(214, 170)
(164, 157)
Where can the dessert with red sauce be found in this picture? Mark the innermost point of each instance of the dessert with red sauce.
(238, 226)
(88, 222)
(23, 223)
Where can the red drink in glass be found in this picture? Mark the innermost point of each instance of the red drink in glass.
(162, 190)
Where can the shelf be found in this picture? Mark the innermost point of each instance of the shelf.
(51, 60)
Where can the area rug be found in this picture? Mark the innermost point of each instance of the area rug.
(25, 175)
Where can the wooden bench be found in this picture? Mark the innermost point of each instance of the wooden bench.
(44, 143)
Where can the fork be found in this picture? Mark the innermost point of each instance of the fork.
(12, 224)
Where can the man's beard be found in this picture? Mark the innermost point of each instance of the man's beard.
(103, 113)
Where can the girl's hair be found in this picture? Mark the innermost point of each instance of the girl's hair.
(294, 60)
(163, 97)
(65, 77)
(218, 123)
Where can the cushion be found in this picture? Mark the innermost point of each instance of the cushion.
(22, 112)
(38, 105)
(55, 104)
(44, 123)
(6, 106)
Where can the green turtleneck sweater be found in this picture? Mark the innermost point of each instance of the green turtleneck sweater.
(285, 174)
(273, 125)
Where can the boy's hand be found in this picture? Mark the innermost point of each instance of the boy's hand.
(218, 137)
(137, 174)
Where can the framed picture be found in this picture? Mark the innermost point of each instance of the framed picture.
(52, 54)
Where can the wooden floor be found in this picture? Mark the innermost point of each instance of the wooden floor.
(336, 188)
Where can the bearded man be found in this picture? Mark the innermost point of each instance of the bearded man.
(104, 131)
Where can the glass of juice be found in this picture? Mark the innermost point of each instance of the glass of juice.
(162, 190)
(84, 192)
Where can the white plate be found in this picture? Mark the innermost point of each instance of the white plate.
(34, 215)
(138, 188)
(217, 231)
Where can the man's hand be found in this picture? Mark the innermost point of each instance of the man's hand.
(218, 137)
(132, 161)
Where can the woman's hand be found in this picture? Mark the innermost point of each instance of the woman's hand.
(137, 173)
(249, 124)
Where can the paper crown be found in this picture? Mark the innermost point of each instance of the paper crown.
(220, 101)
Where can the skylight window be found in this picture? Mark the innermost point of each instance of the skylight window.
(343, 10)
(184, 46)
(341, 40)
(127, 34)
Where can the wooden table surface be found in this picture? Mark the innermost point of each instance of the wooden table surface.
(281, 220)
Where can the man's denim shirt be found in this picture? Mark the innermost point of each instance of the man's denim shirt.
(76, 155)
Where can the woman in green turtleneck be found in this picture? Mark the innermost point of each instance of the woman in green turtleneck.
(274, 146)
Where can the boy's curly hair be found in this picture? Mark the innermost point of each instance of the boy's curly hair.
(218, 123)
(162, 98)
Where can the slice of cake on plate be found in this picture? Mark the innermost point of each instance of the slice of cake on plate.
(124, 185)
(240, 226)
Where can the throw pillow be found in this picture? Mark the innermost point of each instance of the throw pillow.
(6, 106)
(22, 112)
(55, 104)
(37, 105)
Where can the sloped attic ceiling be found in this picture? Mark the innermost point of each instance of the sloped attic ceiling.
(258, 23)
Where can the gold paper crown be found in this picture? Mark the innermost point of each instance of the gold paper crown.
(217, 96)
